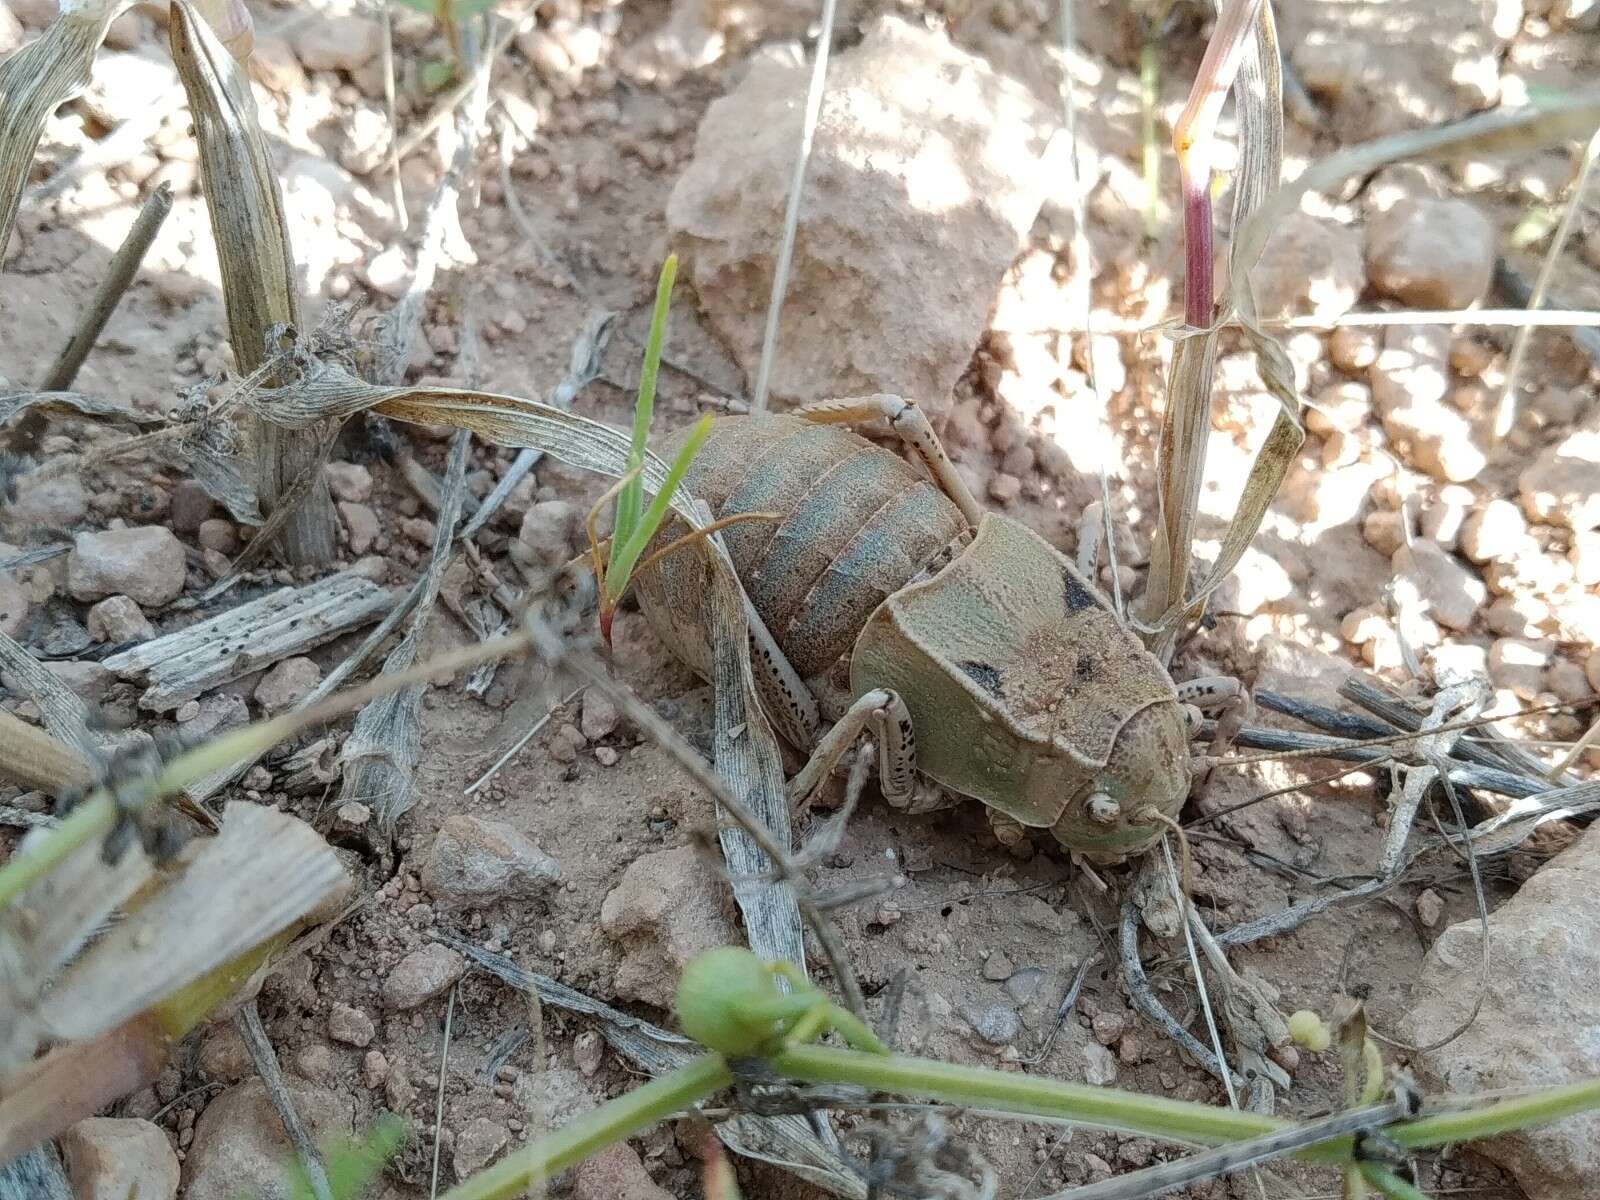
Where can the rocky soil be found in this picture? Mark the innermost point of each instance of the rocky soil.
(935, 259)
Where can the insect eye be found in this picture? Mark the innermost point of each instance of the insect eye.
(1103, 810)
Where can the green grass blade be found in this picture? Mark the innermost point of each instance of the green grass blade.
(622, 561)
(630, 501)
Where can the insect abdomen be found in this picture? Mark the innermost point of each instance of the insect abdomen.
(857, 524)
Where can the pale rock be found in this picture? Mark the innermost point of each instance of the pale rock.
(11, 35)
(1519, 664)
(388, 273)
(1310, 267)
(1565, 680)
(1409, 382)
(422, 975)
(219, 712)
(363, 147)
(360, 525)
(600, 716)
(1381, 528)
(1442, 517)
(111, 1159)
(475, 861)
(666, 909)
(338, 43)
(374, 1069)
(272, 64)
(219, 535)
(1291, 668)
(998, 967)
(1577, 615)
(239, 1145)
(1430, 907)
(128, 30)
(1585, 557)
(1099, 1065)
(223, 1057)
(117, 619)
(144, 563)
(1562, 486)
(84, 678)
(920, 142)
(1431, 253)
(1340, 406)
(14, 605)
(314, 1061)
(996, 1024)
(1591, 669)
(418, 529)
(287, 683)
(1457, 660)
(566, 743)
(1259, 580)
(123, 80)
(544, 540)
(190, 505)
(1108, 1027)
(56, 502)
(1517, 614)
(350, 1025)
(349, 481)
(1452, 594)
(615, 1173)
(1495, 532)
(478, 1144)
(588, 1052)
(1353, 348)
(1543, 993)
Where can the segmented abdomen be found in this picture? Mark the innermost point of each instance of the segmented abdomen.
(857, 523)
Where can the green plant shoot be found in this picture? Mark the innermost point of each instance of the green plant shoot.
(354, 1163)
(634, 524)
(630, 501)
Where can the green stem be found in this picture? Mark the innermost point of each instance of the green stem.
(1483, 1121)
(630, 501)
(1104, 1108)
(611, 1122)
(1390, 1184)
(93, 817)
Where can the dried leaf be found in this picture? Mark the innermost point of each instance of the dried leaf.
(258, 272)
(264, 872)
(34, 82)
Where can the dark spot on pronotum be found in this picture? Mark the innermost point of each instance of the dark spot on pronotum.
(1085, 667)
(1078, 597)
(983, 675)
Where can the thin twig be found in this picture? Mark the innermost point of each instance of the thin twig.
(1506, 412)
(119, 274)
(516, 747)
(248, 1022)
(386, 63)
(791, 216)
(438, 1109)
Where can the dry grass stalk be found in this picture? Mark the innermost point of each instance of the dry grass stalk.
(37, 80)
(191, 936)
(258, 272)
(1242, 56)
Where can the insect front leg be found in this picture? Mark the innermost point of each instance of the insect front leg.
(884, 713)
(1224, 696)
(911, 426)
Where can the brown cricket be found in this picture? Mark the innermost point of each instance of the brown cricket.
(977, 653)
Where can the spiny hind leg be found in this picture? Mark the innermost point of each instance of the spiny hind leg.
(882, 713)
(911, 426)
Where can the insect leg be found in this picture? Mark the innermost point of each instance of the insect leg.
(1225, 696)
(911, 426)
(890, 723)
